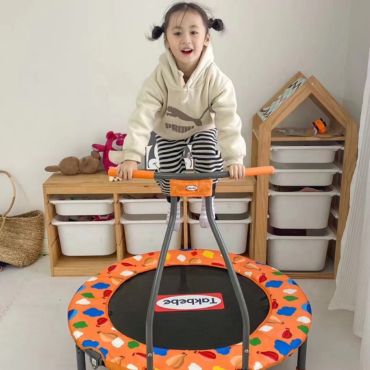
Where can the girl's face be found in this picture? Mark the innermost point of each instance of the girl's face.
(186, 37)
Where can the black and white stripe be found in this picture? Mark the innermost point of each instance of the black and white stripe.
(266, 112)
(206, 156)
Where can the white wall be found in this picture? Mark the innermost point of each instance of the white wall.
(358, 52)
(70, 69)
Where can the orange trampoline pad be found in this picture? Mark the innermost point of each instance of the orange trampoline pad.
(283, 331)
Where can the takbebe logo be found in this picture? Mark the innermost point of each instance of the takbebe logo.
(191, 187)
(189, 302)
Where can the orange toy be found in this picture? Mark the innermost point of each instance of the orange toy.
(319, 126)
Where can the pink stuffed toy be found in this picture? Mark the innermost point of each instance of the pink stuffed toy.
(112, 149)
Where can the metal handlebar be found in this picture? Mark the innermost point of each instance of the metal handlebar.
(143, 174)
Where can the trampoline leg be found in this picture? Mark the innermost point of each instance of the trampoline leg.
(235, 283)
(81, 365)
(301, 362)
(156, 285)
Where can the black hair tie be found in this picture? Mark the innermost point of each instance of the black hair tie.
(216, 24)
(157, 32)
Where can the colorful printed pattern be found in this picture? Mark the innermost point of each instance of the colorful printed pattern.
(284, 330)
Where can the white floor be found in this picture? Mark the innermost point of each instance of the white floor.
(34, 333)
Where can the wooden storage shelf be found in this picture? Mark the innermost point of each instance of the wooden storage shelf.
(90, 265)
(98, 183)
(278, 137)
(306, 138)
(306, 135)
(342, 129)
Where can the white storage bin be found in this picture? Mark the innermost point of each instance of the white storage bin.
(86, 238)
(147, 206)
(306, 152)
(234, 233)
(146, 234)
(299, 209)
(299, 253)
(80, 205)
(303, 174)
(222, 205)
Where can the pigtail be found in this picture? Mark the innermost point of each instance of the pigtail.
(216, 24)
(156, 33)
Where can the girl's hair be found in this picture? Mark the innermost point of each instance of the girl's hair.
(216, 24)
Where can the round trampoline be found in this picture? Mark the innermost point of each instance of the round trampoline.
(190, 309)
(107, 313)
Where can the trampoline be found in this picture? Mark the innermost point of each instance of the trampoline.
(189, 309)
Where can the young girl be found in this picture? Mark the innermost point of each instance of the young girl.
(186, 100)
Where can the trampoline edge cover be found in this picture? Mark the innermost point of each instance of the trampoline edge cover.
(284, 326)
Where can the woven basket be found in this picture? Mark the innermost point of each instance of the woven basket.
(21, 236)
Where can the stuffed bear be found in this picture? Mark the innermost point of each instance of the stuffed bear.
(112, 149)
(73, 165)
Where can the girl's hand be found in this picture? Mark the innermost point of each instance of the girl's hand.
(126, 168)
(236, 171)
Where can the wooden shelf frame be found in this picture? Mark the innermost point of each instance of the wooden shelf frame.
(98, 183)
(263, 136)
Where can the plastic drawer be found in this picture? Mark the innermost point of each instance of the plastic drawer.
(300, 210)
(82, 205)
(234, 233)
(86, 238)
(303, 174)
(146, 234)
(222, 205)
(299, 253)
(303, 153)
(145, 206)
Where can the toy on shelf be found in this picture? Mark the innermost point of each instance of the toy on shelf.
(73, 165)
(319, 126)
(112, 149)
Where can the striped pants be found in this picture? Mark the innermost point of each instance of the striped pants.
(206, 156)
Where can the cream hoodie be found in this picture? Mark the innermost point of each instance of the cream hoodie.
(176, 110)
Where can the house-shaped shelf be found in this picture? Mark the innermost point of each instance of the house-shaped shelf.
(267, 128)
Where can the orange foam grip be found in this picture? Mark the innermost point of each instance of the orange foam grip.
(256, 171)
(142, 174)
(137, 174)
(113, 171)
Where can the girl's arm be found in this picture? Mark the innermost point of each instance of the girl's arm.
(149, 102)
(228, 124)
